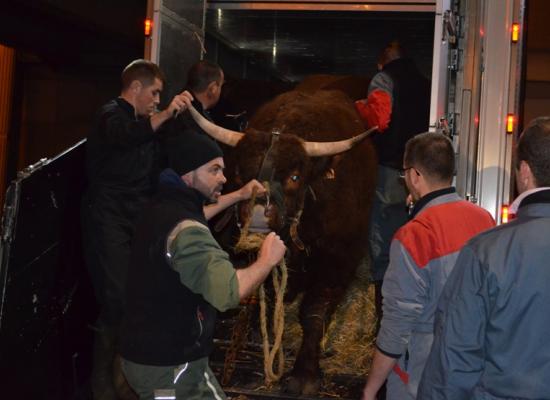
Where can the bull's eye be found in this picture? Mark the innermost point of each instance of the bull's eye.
(294, 178)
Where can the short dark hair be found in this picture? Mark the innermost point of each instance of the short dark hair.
(433, 155)
(201, 74)
(392, 51)
(534, 148)
(141, 70)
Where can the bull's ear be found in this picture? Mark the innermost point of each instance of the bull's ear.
(325, 167)
(330, 172)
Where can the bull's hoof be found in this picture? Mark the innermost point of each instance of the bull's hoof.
(311, 387)
(296, 386)
(293, 386)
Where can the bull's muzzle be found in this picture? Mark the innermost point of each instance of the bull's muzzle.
(259, 222)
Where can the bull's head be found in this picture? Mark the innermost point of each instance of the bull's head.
(282, 160)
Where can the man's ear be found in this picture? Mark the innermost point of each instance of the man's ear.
(526, 175)
(415, 177)
(188, 179)
(524, 168)
(211, 88)
(136, 86)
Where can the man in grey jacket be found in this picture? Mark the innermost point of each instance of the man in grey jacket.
(422, 254)
(492, 324)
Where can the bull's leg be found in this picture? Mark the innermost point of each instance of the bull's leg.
(316, 310)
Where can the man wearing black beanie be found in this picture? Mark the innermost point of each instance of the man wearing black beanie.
(189, 152)
(180, 277)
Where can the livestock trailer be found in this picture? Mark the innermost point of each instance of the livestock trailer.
(476, 57)
(476, 63)
(473, 51)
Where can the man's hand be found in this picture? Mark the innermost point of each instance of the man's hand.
(367, 395)
(179, 103)
(246, 191)
(229, 199)
(379, 370)
(272, 250)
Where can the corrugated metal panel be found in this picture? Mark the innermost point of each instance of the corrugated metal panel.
(178, 40)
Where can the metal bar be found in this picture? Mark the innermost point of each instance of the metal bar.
(322, 5)
(432, 2)
(9, 220)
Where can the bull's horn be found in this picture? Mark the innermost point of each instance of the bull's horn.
(229, 137)
(320, 149)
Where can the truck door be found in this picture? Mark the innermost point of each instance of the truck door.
(176, 40)
(479, 106)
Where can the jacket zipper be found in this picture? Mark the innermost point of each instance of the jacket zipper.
(199, 319)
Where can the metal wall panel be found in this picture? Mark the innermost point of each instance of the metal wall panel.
(178, 41)
(46, 300)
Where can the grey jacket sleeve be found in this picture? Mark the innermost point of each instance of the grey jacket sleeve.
(457, 356)
(404, 295)
(381, 81)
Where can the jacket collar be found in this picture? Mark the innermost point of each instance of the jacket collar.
(536, 204)
(170, 181)
(519, 200)
(127, 107)
(198, 106)
(402, 62)
(423, 202)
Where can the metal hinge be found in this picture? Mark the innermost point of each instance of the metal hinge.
(471, 198)
(446, 125)
(451, 25)
(453, 60)
(25, 173)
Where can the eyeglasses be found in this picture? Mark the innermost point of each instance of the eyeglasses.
(402, 172)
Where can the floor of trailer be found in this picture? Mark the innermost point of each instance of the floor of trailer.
(247, 379)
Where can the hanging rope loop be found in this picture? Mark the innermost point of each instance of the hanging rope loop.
(252, 242)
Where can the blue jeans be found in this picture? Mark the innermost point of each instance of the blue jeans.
(388, 214)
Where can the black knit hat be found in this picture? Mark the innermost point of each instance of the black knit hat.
(189, 150)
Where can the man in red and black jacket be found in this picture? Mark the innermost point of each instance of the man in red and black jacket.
(398, 102)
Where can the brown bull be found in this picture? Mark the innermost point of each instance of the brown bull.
(323, 187)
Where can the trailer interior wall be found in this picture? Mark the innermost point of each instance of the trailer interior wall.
(293, 39)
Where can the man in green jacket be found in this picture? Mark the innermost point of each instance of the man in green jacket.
(180, 277)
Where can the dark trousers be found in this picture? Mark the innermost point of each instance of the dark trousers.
(107, 240)
(388, 214)
(193, 380)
